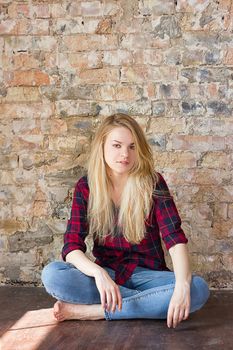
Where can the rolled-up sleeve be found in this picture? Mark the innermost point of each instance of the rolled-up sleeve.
(168, 219)
(77, 226)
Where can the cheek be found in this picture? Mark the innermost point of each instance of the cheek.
(108, 153)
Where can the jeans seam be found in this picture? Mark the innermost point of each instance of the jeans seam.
(146, 295)
(107, 315)
(64, 299)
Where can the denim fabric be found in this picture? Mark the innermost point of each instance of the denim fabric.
(146, 294)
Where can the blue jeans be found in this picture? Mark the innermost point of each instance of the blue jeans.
(146, 294)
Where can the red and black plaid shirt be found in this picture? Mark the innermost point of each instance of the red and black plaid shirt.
(118, 254)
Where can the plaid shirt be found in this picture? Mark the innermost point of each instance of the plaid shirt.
(118, 254)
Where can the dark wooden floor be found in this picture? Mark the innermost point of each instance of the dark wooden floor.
(26, 324)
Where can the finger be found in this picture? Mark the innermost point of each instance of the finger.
(103, 299)
(170, 316)
(181, 315)
(186, 313)
(119, 299)
(114, 300)
(109, 300)
(175, 318)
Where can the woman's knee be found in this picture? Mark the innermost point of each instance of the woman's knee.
(51, 271)
(200, 290)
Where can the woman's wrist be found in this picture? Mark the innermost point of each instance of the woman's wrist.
(98, 270)
(184, 281)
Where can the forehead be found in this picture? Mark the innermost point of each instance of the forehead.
(120, 133)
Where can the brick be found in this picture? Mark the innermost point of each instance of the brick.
(132, 25)
(74, 124)
(117, 57)
(168, 125)
(203, 177)
(92, 8)
(168, 91)
(18, 10)
(173, 56)
(41, 209)
(40, 27)
(16, 241)
(8, 226)
(147, 73)
(24, 110)
(175, 160)
(143, 41)
(75, 26)
(193, 107)
(222, 229)
(206, 75)
(215, 126)
(26, 78)
(68, 142)
(40, 11)
(25, 27)
(148, 56)
(8, 27)
(219, 108)
(104, 26)
(157, 142)
(81, 60)
(95, 76)
(17, 44)
(44, 43)
(216, 160)
(25, 126)
(139, 108)
(119, 92)
(212, 90)
(89, 42)
(111, 9)
(54, 127)
(8, 161)
(156, 7)
(191, 58)
(58, 10)
(194, 6)
(196, 143)
(21, 61)
(167, 27)
(228, 57)
(230, 211)
(23, 94)
(158, 108)
(66, 108)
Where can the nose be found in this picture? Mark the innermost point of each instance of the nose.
(124, 153)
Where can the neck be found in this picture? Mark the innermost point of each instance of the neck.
(118, 181)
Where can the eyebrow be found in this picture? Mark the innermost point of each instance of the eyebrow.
(121, 142)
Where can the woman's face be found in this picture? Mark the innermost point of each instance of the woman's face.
(119, 150)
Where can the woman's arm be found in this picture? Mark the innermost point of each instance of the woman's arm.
(179, 306)
(82, 263)
(110, 295)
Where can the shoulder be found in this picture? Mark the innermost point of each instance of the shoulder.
(160, 187)
(83, 181)
(82, 186)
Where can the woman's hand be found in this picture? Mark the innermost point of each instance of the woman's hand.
(109, 291)
(179, 306)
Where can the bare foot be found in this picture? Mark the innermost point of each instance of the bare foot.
(65, 311)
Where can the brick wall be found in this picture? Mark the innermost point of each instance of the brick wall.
(64, 65)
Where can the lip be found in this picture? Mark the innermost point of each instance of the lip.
(124, 162)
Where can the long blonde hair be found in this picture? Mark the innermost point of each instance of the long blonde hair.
(136, 198)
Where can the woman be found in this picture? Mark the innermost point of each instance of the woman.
(126, 207)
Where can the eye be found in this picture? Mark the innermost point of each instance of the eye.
(132, 147)
(116, 145)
